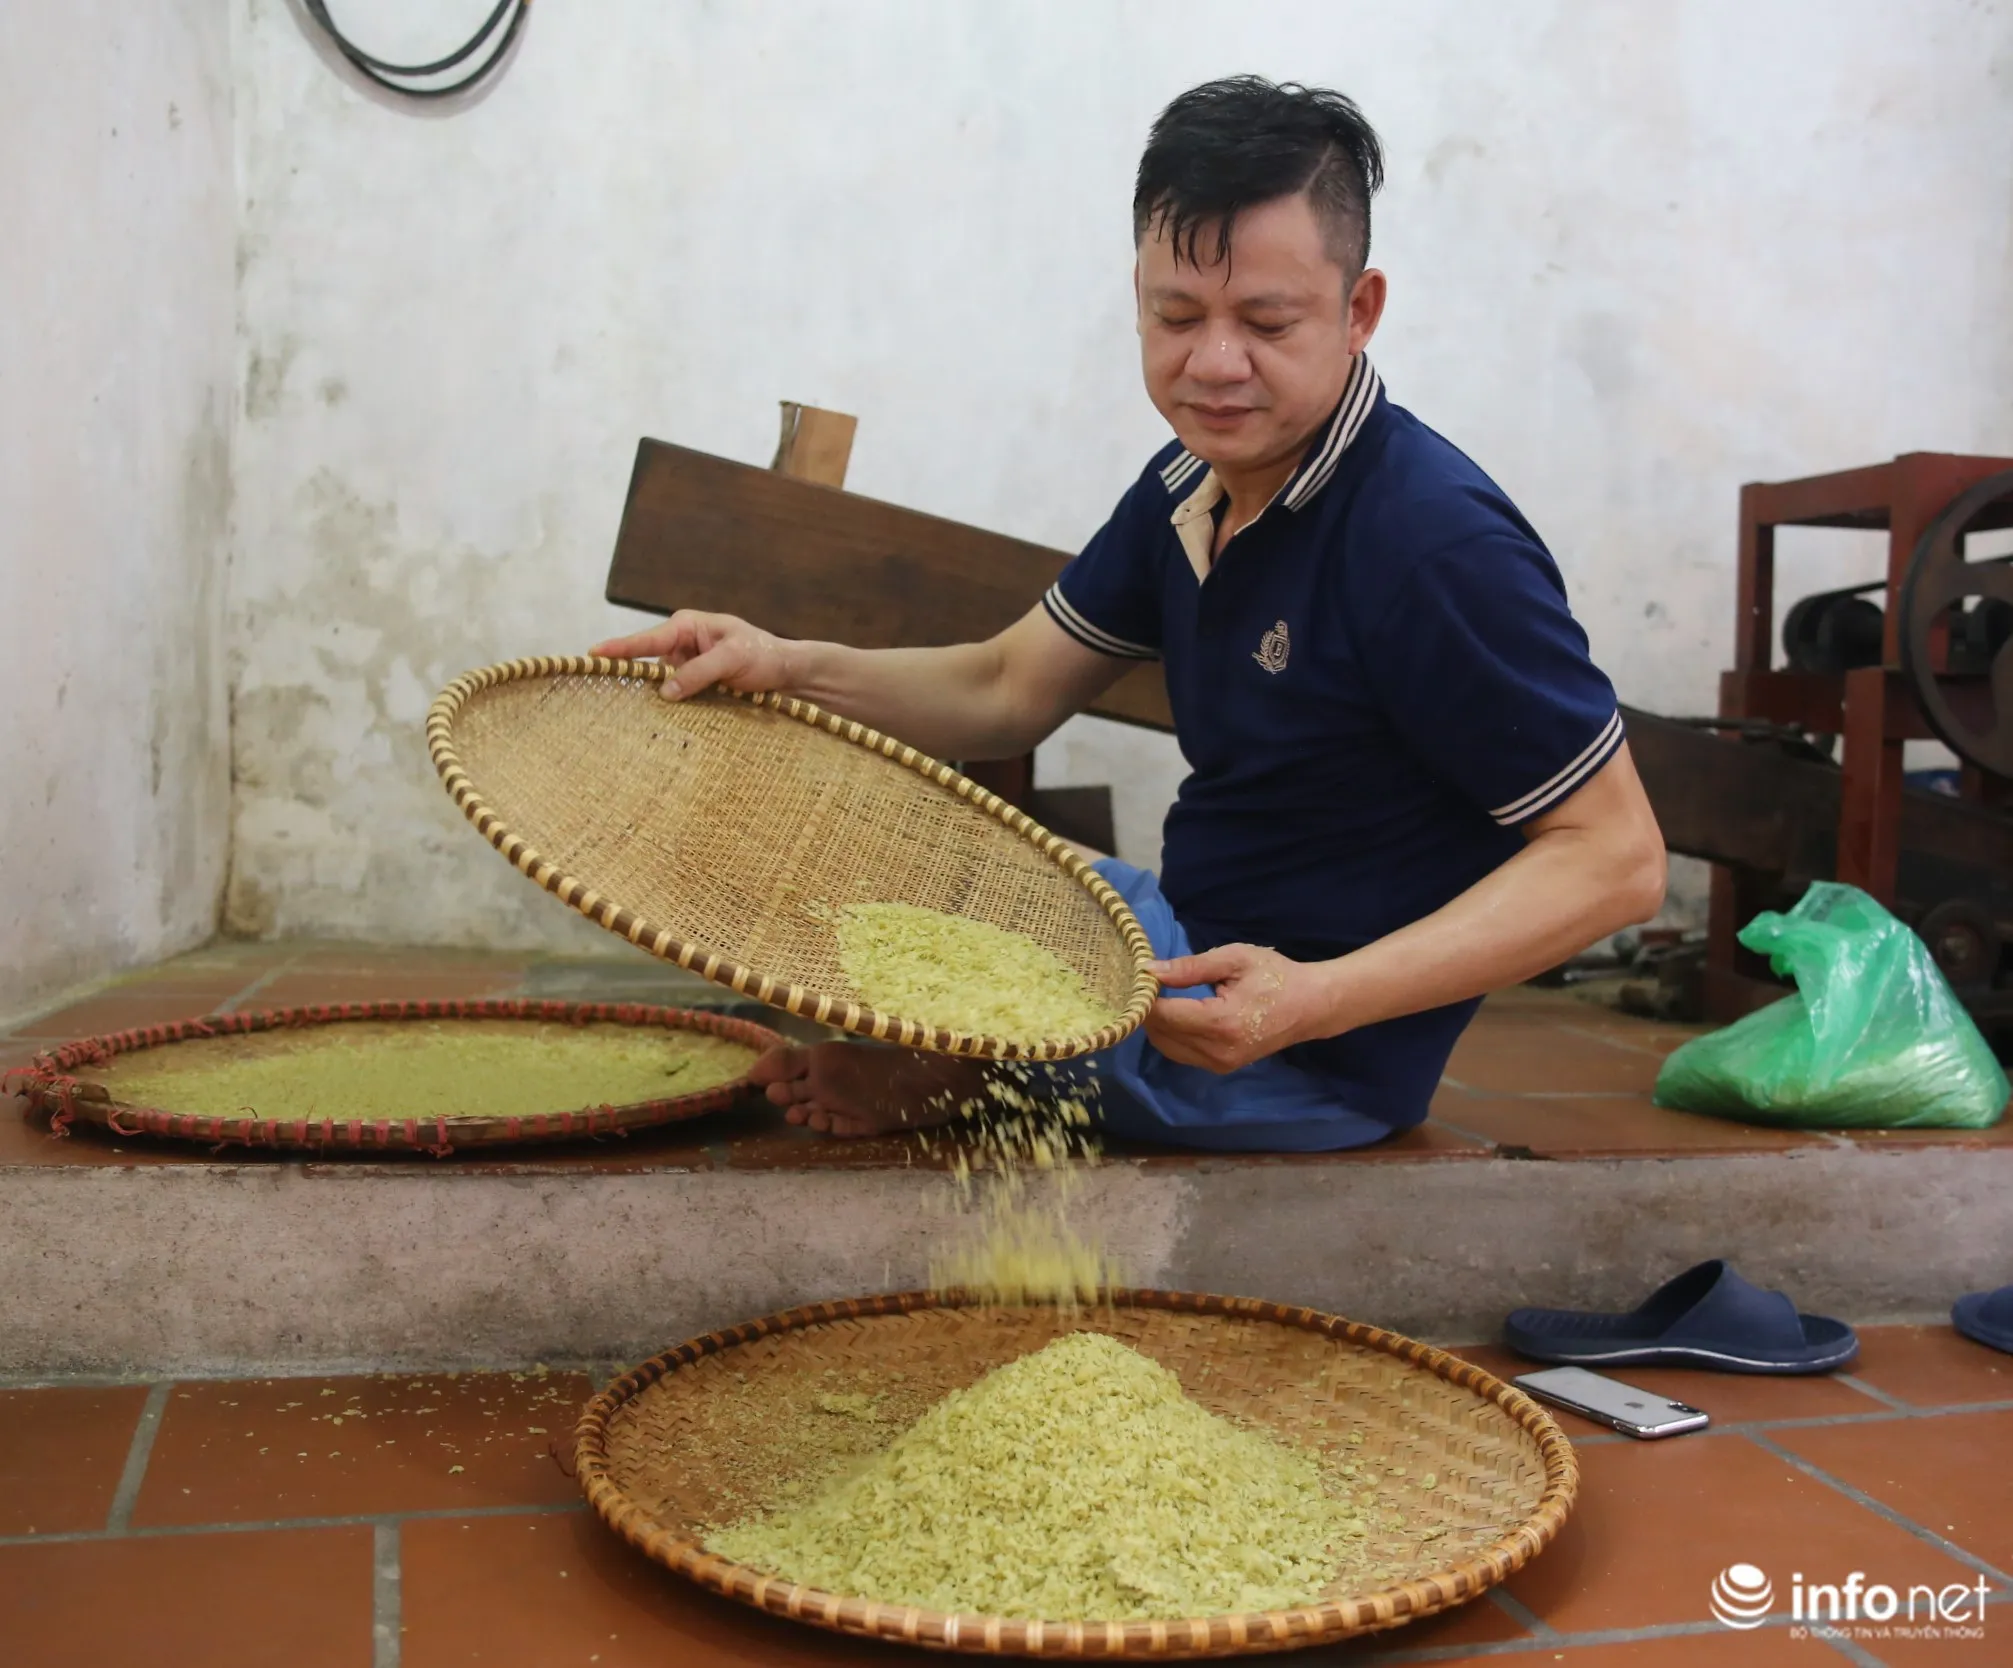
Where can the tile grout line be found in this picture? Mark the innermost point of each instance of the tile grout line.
(1748, 1427)
(1433, 1120)
(238, 1373)
(1817, 1421)
(1579, 1094)
(386, 1597)
(386, 1537)
(1874, 1391)
(1479, 1093)
(601, 1372)
(1522, 1614)
(253, 1526)
(81, 1381)
(1860, 1497)
(283, 966)
(1851, 1649)
(1607, 1041)
(1465, 1134)
(1569, 1641)
(119, 1519)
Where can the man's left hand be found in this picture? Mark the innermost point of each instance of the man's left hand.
(1264, 1002)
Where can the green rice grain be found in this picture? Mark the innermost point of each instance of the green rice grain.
(424, 1069)
(962, 974)
(1076, 1483)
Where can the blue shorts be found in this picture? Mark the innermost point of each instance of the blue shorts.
(1267, 1106)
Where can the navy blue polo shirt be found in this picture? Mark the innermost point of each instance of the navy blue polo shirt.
(1374, 685)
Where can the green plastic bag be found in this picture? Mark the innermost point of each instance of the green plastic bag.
(1872, 1039)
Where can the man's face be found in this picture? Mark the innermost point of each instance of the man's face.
(1246, 360)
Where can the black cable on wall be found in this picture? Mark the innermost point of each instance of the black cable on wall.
(395, 78)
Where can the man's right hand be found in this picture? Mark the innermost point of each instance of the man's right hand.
(987, 700)
(706, 649)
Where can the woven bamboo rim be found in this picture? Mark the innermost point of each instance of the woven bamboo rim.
(665, 942)
(52, 1086)
(678, 1549)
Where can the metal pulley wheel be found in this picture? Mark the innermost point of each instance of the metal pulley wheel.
(1975, 601)
(1964, 940)
(1835, 631)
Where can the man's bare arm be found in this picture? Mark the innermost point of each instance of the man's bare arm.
(1588, 868)
(989, 700)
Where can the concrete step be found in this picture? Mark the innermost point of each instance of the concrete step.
(1543, 1176)
(209, 1266)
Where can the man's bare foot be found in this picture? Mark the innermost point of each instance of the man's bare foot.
(845, 1089)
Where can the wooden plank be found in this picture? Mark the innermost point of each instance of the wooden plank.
(1865, 497)
(815, 445)
(1732, 995)
(808, 561)
(1012, 779)
(1080, 815)
(1754, 599)
(1734, 802)
(1140, 697)
(805, 560)
(1813, 701)
(1752, 808)
(1847, 498)
(1869, 814)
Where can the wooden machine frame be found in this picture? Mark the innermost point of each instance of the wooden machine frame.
(1873, 709)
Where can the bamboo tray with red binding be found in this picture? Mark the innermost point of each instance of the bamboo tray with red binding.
(80, 1081)
(700, 1434)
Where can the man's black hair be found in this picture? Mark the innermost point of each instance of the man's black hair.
(1230, 145)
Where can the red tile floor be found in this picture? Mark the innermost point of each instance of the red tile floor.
(422, 1521)
(416, 1521)
(1540, 1073)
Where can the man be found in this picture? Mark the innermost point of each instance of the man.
(1410, 784)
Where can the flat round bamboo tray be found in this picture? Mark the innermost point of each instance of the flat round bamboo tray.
(703, 1434)
(724, 832)
(79, 1082)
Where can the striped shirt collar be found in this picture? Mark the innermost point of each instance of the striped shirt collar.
(1197, 490)
(1185, 473)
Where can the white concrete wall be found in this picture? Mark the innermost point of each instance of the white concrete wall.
(1638, 254)
(117, 216)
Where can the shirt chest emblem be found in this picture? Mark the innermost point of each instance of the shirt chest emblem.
(1273, 648)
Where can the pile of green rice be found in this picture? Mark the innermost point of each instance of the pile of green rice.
(962, 974)
(1077, 1483)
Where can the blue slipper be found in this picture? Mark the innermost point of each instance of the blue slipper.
(1987, 1317)
(1707, 1317)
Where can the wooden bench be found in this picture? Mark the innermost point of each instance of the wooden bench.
(786, 547)
(789, 549)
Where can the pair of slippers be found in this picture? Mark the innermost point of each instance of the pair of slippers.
(1710, 1317)
(1986, 1317)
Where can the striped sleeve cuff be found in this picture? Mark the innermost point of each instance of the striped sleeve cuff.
(1089, 635)
(1562, 786)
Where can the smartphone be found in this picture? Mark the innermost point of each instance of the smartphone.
(1608, 1401)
